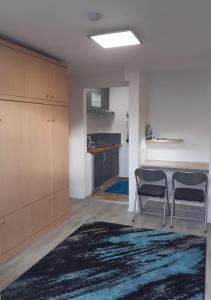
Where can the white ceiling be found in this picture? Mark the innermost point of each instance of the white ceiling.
(176, 33)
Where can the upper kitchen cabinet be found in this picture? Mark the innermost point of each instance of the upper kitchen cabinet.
(58, 83)
(45, 80)
(36, 77)
(11, 72)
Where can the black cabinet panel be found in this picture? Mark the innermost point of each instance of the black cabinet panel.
(115, 162)
(98, 169)
(106, 166)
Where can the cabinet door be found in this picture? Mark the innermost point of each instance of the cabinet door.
(60, 204)
(14, 229)
(36, 77)
(25, 173)
(60, 148)
(13, 152)
(38, 180)
(115, 162)
(108, 165)
(98, 169)
(58, 83)
(11, 72)
(40, 214)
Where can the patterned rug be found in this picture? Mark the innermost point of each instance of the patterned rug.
(105, 261)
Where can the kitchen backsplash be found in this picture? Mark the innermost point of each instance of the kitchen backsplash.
(105, 138)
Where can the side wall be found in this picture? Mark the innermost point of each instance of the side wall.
(179, 108)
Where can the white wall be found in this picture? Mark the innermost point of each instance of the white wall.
(119, 99)
(77, 140)
(137, 118)
(179, 104)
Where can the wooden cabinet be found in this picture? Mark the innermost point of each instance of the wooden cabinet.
(59, 140)
(45, 80)
(11, 72)
(25, 154)
(14, 229)
(60, 203)
(34, 147)
(38, 160)
(40, 214)
(36, 77)
(13, 151)
(58, 83)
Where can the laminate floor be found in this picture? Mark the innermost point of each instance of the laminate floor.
(93, 210)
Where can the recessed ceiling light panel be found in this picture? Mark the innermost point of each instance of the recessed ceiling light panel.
(116, 39)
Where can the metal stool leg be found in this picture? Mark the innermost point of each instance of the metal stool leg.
(169, 210)
(164, 208)
(172, 211)
(140, 202)
(205, 214)
(134, 209)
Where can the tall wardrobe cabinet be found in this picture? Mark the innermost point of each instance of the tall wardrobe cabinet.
(34, 193)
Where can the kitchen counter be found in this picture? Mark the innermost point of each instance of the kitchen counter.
(102, 148)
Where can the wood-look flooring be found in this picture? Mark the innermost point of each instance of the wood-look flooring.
(92, 210)
(100, 195)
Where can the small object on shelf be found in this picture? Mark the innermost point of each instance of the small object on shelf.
(148, 131)
(164, 140)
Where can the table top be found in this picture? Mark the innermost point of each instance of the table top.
(185, 165)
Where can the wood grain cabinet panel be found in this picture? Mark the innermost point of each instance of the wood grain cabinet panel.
(58, 83)
(13, 153)
(14, 229)
(25, 154)
(11, 72)
(40, 214)
(45, 80)
(36, 77)
(60, 204)
(60, 163)
(38, 181)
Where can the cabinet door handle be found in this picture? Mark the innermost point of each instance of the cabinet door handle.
(3, 223)
(1, 120)
(52, 96)
(53, 120)
(48, 120)
(47, 95)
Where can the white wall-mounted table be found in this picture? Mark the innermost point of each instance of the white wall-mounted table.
(178, 165)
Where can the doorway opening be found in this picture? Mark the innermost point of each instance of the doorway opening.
(107, 143)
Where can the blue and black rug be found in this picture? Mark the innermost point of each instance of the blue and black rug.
(109, 261)
(120, 187)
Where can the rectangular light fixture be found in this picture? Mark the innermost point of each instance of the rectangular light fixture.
(116, 39)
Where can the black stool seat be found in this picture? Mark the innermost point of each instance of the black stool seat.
(189, 194)
(152, 190)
